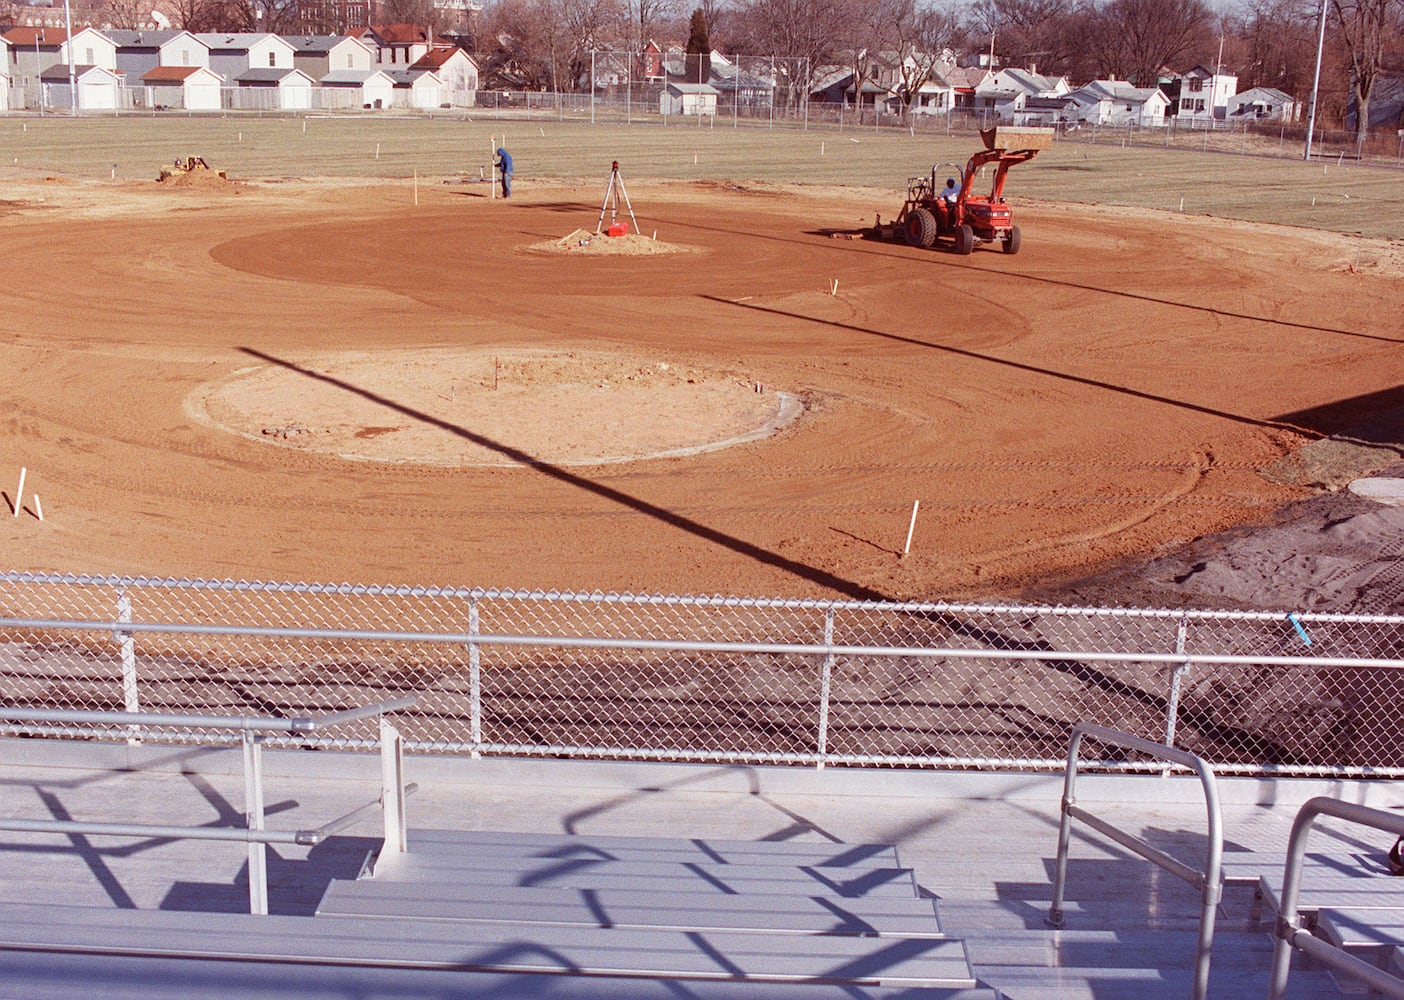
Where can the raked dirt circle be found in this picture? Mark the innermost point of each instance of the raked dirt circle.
(481, 407)
(324, 381)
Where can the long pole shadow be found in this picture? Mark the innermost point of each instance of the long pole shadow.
(1021, 366)
(867, 247)
(708, 534)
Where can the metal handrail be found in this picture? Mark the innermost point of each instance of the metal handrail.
(390, 802)
(1209, 881)
(1288, 930)
(695, 646)
(296, 724)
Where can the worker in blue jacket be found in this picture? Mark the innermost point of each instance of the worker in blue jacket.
(504, 163)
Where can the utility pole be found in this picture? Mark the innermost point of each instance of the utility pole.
(72, 75)
(1316, 79)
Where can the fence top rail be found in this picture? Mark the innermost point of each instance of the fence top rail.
(695, 646)
(299, 724)
(718, 601)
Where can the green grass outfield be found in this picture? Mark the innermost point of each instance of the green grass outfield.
(1349, 198)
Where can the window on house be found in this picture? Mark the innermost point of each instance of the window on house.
(1196, 85)
(273, 59)
(88, 60)
(185, 57)
(350, 61)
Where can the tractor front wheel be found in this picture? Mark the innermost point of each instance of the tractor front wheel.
(920, 228)
(964, 240)
(1011, 242)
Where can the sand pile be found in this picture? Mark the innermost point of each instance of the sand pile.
(582, 241)
(203, 179)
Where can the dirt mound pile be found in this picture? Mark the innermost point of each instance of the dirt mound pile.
(201, 179)
(582, 241)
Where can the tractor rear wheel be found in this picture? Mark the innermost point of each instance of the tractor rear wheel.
(1011, 242)
(964, 239)
(920, 228)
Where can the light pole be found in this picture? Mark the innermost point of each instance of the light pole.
(1316, 79)
(72, 76)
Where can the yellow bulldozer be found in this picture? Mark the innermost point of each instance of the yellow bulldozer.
(187, 165)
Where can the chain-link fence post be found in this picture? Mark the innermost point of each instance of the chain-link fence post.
(475, 681)
(824, 684)
(253, 812)
(131, 699)
(1177, 673)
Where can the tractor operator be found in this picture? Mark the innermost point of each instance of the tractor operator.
(948, 197)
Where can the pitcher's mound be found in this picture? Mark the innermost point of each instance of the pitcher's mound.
(583, 241)
(483, 408)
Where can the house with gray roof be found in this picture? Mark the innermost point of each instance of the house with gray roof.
(141, 51)
(1117, 102)
(1263, 104)
(318, 55)
(233, 53)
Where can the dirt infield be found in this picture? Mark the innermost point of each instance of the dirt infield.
(1111, 391)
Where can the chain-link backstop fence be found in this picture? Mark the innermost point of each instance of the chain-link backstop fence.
(718, 679)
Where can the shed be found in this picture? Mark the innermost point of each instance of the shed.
(194, 88)
(357, 88)
(97, 87)
(417, 88)
(688, 99)
(281, 89)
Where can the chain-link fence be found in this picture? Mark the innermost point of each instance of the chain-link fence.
(719, 679)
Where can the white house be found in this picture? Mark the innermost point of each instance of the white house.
(357, 88)
(90, 48)
(193, 88)
(97, 87)
(935, 96)
(273, 89)
(4, 75)
(396, 46)
(233, 54)
(1262, 104)
(1117, 102)
(31, 50)
(139, 51)
(688, 99)
(318, 55)
(1205, 93)
(417, 88)
(456, 72)
(1005, 94)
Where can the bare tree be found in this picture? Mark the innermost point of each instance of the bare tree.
(1041, 33)
(1133, 39)
(1278, 39)
(128, 15)
(801, 28)
(1364, 28)
(922, 34)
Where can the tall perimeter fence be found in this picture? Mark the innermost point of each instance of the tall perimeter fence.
(630, 677)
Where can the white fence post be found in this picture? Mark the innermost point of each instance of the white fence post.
(475, 681)
(253, 811)
(392, 786)
(824, 688)
(131, 699)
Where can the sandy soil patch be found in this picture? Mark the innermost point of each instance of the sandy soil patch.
(583, 241)
(494, 408)
(1111, 391)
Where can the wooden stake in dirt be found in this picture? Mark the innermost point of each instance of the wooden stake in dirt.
(910, 528)
(38, 507)
(19, 493)
(377, 150)
(416, 185)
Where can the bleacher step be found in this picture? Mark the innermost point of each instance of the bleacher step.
(776, 914)
(659, 876)
(606, 847)
(425, 944)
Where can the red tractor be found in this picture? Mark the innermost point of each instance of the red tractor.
(931, 214)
